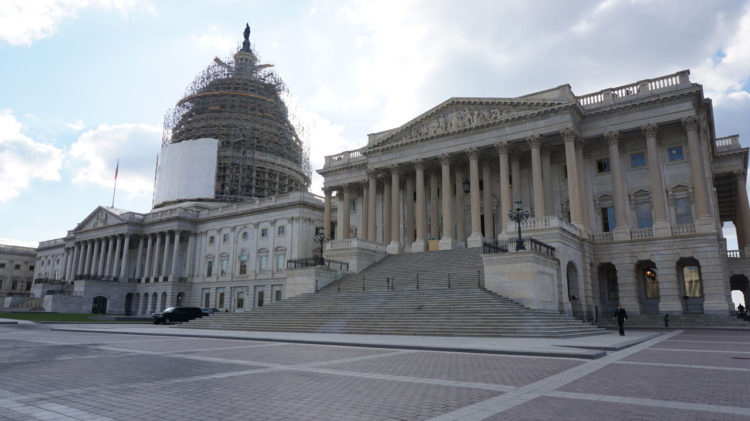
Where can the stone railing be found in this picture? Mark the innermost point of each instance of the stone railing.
(344, 158)
(683, 229)
(602, 237)
(51, 243)
(640, 233)
(642, 88)
(347, 243)
(538, 223)
(727, 143)
(170, 213)
(735, 254)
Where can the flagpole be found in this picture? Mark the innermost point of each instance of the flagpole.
(117, 168)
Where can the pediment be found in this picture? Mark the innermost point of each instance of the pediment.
(100, 217)
(460, 114)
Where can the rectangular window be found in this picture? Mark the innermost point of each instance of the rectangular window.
(209, 267)
(31, 267)
(278, 295)
(264, 232)
(638, 160)
(353, 205)
(207, 300)
(14, 285)
(682, 211)
(224, 265)
(2, 265)
(220, 300)
(243, 267)
(644, 215)
(240, 299)
(675, 153)
(211, 239)
(262, 262)
(17, 267)
(608, 219)
(282, 229)
(602, 165)
(225, 238)
(280, 262)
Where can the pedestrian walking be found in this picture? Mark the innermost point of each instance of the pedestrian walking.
(621, 315)
(666, 320)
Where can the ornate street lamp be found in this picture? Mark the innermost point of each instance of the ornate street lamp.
(519, 215)
(322, 239)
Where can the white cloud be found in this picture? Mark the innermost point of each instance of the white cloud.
(95, 153)
(217, 41)
(22, 159)
(24, 21)
(21, 243)
(77, 126)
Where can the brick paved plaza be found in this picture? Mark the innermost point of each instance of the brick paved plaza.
(56, 375)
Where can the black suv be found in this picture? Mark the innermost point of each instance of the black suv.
(176, 314)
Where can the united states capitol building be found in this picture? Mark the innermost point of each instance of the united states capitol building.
(627, 190)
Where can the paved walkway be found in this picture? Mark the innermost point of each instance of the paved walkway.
(91, 373)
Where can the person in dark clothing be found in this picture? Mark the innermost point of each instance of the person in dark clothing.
(621, 316)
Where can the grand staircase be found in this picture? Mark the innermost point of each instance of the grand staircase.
(396, 307)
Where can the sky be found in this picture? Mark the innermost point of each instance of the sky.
(84, 83)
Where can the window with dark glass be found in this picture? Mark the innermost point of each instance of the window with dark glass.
(243, 262)
(224, 265)
(282, 229)
(643, 210)
(225, 238)
(602, 165)
(240, 299)
(638, 160)
(207, 300)
(675, 153)
(209, 267)
(211, 239)
(682, 211)
(608, 219)
(264, 232)
(221, 300)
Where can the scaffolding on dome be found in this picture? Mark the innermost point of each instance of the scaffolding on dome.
(238, 102)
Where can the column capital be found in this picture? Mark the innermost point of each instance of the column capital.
(613, 137)
(569, 134)
(445, 159)
(503, 148)
(690, 123)
(418, 164)
(650, 130)
(395, 169)
(372, 172)
(535, 141)
(473, 153)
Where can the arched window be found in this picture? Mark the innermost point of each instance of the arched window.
(692, 277)
(651, 283)
(243, 262)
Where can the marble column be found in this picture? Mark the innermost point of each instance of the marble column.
(175, 256)
(515, 175)
(475, 239)
(110, 255)
(96, 262)
(447, 242)
(138, 258)
(434, 217)
(489, 218)
(419, 244)
(346, 214)
(409, 212)
(535, 142)
(190, 253)
(157, 256)
(547, 184)
(372, 234)
(124, 263)
(583, 191)
(327, 213)
(386, 212)
(503, 150)
(574, 198)
(165, 258)
(117, 259)
(395, 246)
(73, 263)
(460, 201)
(661, 226)
(89, 257)
(742, 224)
(362, 231)
(149, 257)
(622, 228)
(81, 268)
(703, 221)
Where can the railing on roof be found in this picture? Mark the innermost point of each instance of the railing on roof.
(344, 158)
(645, 87)
(508, 244)
(727, 143)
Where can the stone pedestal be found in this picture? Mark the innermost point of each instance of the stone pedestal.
(446, 244)
(475, 240)
(419, 246)
(395, 248)
(661, 229)
(527, 277)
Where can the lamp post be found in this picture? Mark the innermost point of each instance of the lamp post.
(519, 215)
(321, 239)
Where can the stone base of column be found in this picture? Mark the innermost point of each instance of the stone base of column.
(621, 233)
(446, 244)
(661, 229)
(671, 305)
(419, 246)
(704, 224)
(475, 240)
(394, 248)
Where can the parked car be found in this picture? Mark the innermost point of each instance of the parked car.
(176, 314)
(207, 311)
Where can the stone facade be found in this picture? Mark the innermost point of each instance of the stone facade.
(16, 270)
(630, 185)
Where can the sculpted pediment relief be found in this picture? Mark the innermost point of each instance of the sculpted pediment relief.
(460, 114)
(97, 219)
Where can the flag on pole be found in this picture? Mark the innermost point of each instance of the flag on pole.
(117, 168)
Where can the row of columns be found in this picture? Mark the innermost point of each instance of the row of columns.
(156, 263)
(577, 192)
(104, 257)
